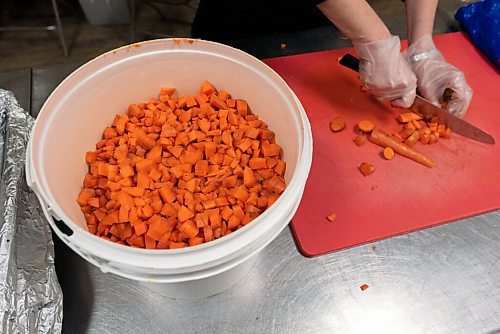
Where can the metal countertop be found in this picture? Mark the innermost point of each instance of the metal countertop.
(443, 279)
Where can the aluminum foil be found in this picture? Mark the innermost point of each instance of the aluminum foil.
(30, 295)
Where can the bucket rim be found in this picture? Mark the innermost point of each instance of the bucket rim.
(297, 180)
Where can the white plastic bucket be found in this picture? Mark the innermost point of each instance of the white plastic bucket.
(73, 117)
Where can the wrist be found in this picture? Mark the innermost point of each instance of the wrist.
(373, 36)
(422, 44)
(366, 50)
(423, 49)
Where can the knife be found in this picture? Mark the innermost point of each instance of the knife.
(456, 124)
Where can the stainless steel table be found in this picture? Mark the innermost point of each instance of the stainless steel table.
(444, 279)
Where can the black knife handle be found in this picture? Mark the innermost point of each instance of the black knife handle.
(349, 61)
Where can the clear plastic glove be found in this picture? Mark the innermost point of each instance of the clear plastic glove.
(434, 75)
(385, 72)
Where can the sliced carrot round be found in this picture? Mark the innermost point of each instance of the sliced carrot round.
(366, 126)
(388, 153)
(337, 124)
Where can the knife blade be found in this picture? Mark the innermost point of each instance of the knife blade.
(456, 124)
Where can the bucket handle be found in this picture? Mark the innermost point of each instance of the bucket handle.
(67, 239)
(30, 180)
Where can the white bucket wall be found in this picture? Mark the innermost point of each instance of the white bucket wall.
(72, 119)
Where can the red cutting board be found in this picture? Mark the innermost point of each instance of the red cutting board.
(402, 195)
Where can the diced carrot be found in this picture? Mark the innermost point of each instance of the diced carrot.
(167, 194)
(359, 140)
(271, 150)
(233, 222)
(242, 107)
(144, 140)
(248, 177)
(155, 154)
(280, 168)
(252, 133)
(196, 241)
(408, 117)
(209, 204)
(271, 199)
(90, 157)
(238, 211)
(89, 181)
(215, 220)
(412, 139)
(126, 171)
(205, 161)
(189, 229)
(240, 193)
(221, 201)
(175, 245)
(167, 91)
(137, 241)
(216, 102)
(158, 226)
(147, 211)
(207, 88)
(208, 233)
(111, 218)
(366, 168)
(93, 201)
(184, 214)
(150, 242)
(226, 213)
(210, 149)
(134, 191)
(446, 134)
(201, 168)
(84, 196)
(276, 184)
(230, 181)
(109, 133)
(140, 228)
(257, 163)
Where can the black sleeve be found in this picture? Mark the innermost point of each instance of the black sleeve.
(242, 18)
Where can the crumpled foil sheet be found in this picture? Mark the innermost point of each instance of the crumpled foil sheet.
(30, 295)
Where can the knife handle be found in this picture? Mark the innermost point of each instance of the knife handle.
(349, 61)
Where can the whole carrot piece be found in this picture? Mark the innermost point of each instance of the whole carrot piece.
(383, 139)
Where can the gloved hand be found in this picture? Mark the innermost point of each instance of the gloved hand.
(434, 75)
(385, 72)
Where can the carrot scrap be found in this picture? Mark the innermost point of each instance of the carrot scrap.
(175, 172)
(359, 140)
(366, 168)
(337, 124)
(331, 217)
(408, 117)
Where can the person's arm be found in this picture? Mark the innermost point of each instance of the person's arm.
(355, 19)
(420, 18)
(433, 73)
(382, 69)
